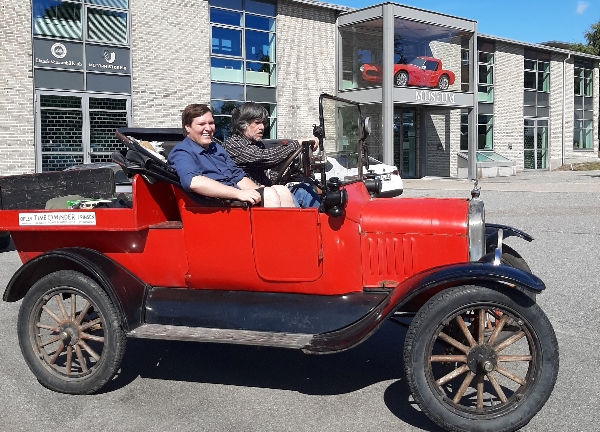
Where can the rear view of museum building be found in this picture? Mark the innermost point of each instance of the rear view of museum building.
(443, 99)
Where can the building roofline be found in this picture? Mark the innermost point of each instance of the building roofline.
(347, 9)
(413, 8)
(325, 5)
(538, 46)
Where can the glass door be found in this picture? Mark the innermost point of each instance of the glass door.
(75, 128)
(535, 154)
(405, 149)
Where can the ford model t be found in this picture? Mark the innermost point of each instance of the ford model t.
(479, 353)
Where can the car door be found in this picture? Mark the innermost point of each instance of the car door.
(287, 244)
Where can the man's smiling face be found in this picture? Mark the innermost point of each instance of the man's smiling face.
(202, 129)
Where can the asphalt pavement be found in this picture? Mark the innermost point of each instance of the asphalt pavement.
(178, 386)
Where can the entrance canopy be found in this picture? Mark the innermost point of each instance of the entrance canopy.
(397, 55)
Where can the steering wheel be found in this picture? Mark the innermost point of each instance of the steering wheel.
(285, 172)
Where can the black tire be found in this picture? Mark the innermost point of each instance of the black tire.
(438, 372)
(70, 333)
(401, 79)
(444, 82)
(512, 258)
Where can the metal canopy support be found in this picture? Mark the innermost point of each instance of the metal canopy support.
(474, 112)
(387, 105)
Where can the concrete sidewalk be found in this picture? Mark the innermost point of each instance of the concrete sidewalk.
(526, 181)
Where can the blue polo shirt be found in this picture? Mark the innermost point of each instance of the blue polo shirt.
(190, 160)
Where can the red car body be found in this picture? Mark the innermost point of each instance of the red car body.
(421, 72)
(269, 255)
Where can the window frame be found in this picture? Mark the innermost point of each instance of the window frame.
(234, 87)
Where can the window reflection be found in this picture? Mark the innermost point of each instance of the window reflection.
(58, 19)
(226, 41)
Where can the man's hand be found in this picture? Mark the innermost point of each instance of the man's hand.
(209, 187)
(314, 140)
(248, 195)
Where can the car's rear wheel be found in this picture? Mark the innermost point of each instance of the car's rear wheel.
(70, 333)
(401, 79)
(478, 359)
(443, 82)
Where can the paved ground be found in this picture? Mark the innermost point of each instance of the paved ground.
(199, 387)
(544, 181)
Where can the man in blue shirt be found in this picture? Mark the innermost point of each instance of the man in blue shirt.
(204, 167)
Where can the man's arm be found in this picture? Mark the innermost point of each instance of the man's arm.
(205, 186)
(245, 155)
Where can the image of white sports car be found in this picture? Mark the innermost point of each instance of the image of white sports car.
(344, 165)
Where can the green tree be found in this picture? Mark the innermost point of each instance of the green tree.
(592, 37)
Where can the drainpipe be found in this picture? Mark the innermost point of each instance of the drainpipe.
(562, 157)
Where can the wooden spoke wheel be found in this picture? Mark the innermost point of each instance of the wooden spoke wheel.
(478, 359)
(70, 333)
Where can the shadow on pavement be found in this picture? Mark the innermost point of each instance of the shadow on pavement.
(378, 359)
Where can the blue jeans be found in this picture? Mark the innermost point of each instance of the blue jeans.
(304, 195)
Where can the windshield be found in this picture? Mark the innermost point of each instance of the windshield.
(341, 125)
(350, 160)
(418, 62)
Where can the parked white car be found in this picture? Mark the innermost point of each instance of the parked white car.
(345, 165)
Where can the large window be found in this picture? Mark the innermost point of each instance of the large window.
(536, 97)
(584, 106)
(243, 62)
(106, 20)
(485, 131)
(425, 55)
(65, 139)
(82, 79)
(81, 45)
(486, 72)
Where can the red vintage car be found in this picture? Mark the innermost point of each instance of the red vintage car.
(421, 72)
(479, 354)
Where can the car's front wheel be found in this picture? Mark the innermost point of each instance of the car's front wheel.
(70, 333)
(443, 82)
(401, 79)
(477, 359)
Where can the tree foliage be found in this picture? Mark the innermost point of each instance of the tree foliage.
(592, 37)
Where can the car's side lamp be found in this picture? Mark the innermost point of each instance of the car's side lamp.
(335, 199)
(372, 183)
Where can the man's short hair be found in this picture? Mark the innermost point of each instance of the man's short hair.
(190, 112)
(243, 115)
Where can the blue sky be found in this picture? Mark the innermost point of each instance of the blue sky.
(531, 21)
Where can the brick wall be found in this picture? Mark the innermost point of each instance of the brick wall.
(508, 102)
(17, 148)
(305, 65)
(170, 49)
(450, 55)
(556, 110)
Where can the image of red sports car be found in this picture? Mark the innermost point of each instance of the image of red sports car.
(421, 72)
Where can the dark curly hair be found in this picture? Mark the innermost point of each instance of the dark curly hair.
(243, 115)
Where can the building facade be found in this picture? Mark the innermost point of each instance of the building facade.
(73, 71)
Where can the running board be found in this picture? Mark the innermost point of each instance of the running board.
(242, 337)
